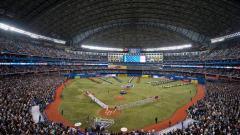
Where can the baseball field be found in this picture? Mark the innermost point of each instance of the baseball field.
(76, 106)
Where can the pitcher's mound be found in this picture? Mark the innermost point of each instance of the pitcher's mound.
(119, 98)
(110, 113)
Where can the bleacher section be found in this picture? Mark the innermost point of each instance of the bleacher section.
(20, 57)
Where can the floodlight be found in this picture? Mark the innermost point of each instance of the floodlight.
(179, 47)
(32, 35)
(101, 48)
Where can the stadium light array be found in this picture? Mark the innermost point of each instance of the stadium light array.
(101, 48)
(168, 48)
(7, 27)
(220, 39)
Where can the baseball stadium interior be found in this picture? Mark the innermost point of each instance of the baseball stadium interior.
(113, 67)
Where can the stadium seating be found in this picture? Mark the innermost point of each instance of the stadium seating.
(25, 51)
(119, 67)
(217, 113)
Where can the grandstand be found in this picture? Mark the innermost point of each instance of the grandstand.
(67, 62)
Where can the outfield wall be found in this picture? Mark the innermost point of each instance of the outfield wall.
(199, 80)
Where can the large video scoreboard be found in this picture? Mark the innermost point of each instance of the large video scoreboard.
(134, 58)
(134, 55)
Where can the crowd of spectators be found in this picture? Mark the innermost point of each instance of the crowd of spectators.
(28, 48)
(19, 93)
(217, 54)
(26, 69)
(208, 71)
(218, 113)
(104, 69)
(45, 69)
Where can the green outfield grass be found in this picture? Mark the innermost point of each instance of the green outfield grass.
(79, 108)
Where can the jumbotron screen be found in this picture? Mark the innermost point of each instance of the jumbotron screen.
(134, 58)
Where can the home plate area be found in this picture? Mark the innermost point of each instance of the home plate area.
(109, 113)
